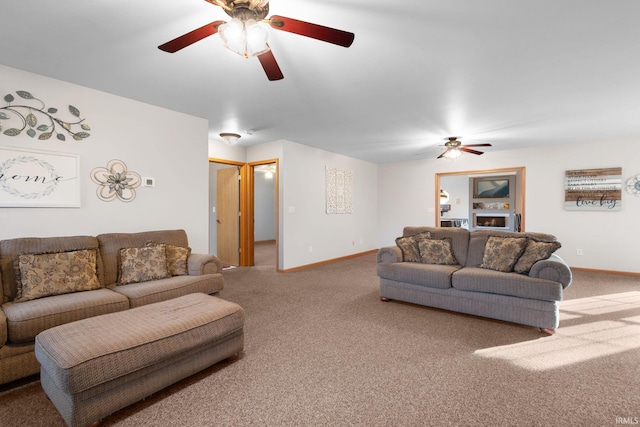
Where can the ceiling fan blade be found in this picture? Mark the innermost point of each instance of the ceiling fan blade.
(270, 66)
(477, 145)
(191, 37)
(307, 29)
(469, 150)
(442, 155)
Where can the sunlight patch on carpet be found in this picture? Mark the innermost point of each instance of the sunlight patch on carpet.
(598, 326)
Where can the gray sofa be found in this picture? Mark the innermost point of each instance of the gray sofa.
(21, 318)
(472, 284)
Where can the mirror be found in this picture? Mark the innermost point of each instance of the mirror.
(457, 212)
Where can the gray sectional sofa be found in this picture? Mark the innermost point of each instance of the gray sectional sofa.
(119, 271)
(487, 273)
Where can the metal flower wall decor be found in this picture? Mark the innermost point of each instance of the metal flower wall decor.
(115, 181)
(39, 121)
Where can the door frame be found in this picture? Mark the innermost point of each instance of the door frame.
(247, 206)
(247, 238)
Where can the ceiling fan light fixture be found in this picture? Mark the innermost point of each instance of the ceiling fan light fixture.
(230, 138)
(246, 38)
(452, 153)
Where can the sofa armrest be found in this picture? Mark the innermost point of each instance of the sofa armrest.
(553, 268)
(389, 254)
(199, 264)
(3, 328)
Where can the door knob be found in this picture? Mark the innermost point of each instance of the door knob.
(218, 221)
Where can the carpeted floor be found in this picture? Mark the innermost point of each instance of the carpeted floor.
(321, 349)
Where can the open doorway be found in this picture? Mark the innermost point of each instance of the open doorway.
(265, 215)
(265, 195)
(452, 191)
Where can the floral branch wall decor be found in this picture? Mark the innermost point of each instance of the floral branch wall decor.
(115, 181)
(40, 122)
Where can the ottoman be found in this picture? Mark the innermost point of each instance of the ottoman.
(93, 367)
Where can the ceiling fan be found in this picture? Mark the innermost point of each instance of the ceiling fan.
(454, 148)
(245, 36)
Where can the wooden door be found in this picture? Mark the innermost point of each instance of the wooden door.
(228, 210)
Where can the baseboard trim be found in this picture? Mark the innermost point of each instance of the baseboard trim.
(329, 261)
(594, 270)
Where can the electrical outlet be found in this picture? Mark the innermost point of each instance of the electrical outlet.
(310, 249)
(579, 252)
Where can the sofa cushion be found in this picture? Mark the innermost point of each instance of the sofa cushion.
(111, 243)
(459, 238)
(27, 319)
(177, 257)
(437, 251)
(430, 275)
(410, 248)
(11, 248)
(534, 252)
(490, 281)
(42, 275)
(143, 264)
(144, 293)
(478, 240)
(501, 253)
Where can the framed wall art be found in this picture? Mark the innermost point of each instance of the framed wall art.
(593, 189)
(38, 178)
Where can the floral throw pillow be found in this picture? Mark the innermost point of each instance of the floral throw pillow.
(501, 253)
(437, 251)
(534, 252)
(177, 257)
(409, 246)
(143, 264)
(43, 275)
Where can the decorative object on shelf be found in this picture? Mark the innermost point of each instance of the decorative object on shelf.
(339, 190)
(633, 185)
(444, 196)
(115, 181)
(230, 138)
(492, 206)
(36, 119)
(38, 179)
(593, 189)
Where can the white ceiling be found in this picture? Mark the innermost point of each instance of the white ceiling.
(514, 73)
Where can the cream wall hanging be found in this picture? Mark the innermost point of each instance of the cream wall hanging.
(339, 190)
(115, 182)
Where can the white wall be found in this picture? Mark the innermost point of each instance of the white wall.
(306, 223)
(166, 145)
(608, 239)
(265, 207)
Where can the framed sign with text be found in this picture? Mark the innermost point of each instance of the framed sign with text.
(38, 179)
(593, 189)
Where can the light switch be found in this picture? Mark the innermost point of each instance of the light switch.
(292, 209)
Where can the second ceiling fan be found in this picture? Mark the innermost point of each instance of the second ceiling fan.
(245, 36)
(454, 148)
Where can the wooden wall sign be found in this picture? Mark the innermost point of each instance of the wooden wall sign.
(593, 189)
